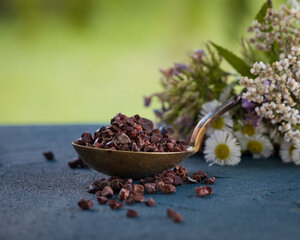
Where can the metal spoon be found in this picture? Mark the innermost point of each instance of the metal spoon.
(129, 164)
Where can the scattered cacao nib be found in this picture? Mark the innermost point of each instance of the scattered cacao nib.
(210, 180)
(132, 213)
(143, 181)
(174, 215)
(167, 188)
(123, 194)
(150, 187)
(132, 134)
(101, 199)
(203, 191)
(138, 189)
(191, 180)
(97, 185)
(116, 185)
(78, 163)
(177, 181)
(138, 198)
(114, 204)
(181, 172)
(199, 176)
(85, 204)
(49, 155)
(150, 202)
(107, 192)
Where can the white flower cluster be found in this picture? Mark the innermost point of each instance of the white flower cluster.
(281, 26)
(276, 90)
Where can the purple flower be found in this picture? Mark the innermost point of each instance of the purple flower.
(248, 105)
(266, 82)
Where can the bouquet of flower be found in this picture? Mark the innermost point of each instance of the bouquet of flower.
(268, 118)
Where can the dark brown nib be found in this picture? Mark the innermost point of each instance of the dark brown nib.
(78, 163)
(132, 213)
(115, 204)
(210, 180)
(174, 215)
(203, 191)
(132, 134)
(85, 204)
(150, 202)
(49, 155)
(107, 190)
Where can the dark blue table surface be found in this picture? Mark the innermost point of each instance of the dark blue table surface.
(258, 199)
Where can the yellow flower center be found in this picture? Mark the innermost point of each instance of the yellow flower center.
(254, 146)
(218, 123)
(222, 151)
(291, 149)
(248, 129)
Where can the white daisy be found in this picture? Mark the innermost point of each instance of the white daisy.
(223, 123)
(259, 146)
(286, 151)
(248, 130)
(296, 155)
(222, 148)
(275, 136)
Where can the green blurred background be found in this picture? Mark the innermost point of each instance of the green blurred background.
(78, 61)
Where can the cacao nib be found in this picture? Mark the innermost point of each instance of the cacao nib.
(150, 202)
(78, 163)
(85, 204)
(174, 215)
(210, 180)
(132, 213)
(167, 188)
(107, 192)
(102, 200)
(203, 191)
(132, 134)
(123, 194)
(114, 204)
(49, 155)
(150, 187)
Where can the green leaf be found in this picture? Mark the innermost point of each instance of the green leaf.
(262, 12)
(237, 63)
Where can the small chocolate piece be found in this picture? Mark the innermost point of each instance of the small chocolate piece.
(49, 155)
(174, 215)
(150, 202)
(114, 204)
(116, 184)
(132, 213)
(102, 200)
(107, 192)
(85, 204)
(210, 180)
(203, 191)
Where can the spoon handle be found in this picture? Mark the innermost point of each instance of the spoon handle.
(203, 124)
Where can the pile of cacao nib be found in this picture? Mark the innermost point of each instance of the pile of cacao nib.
(115, 191)
(132, 134)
